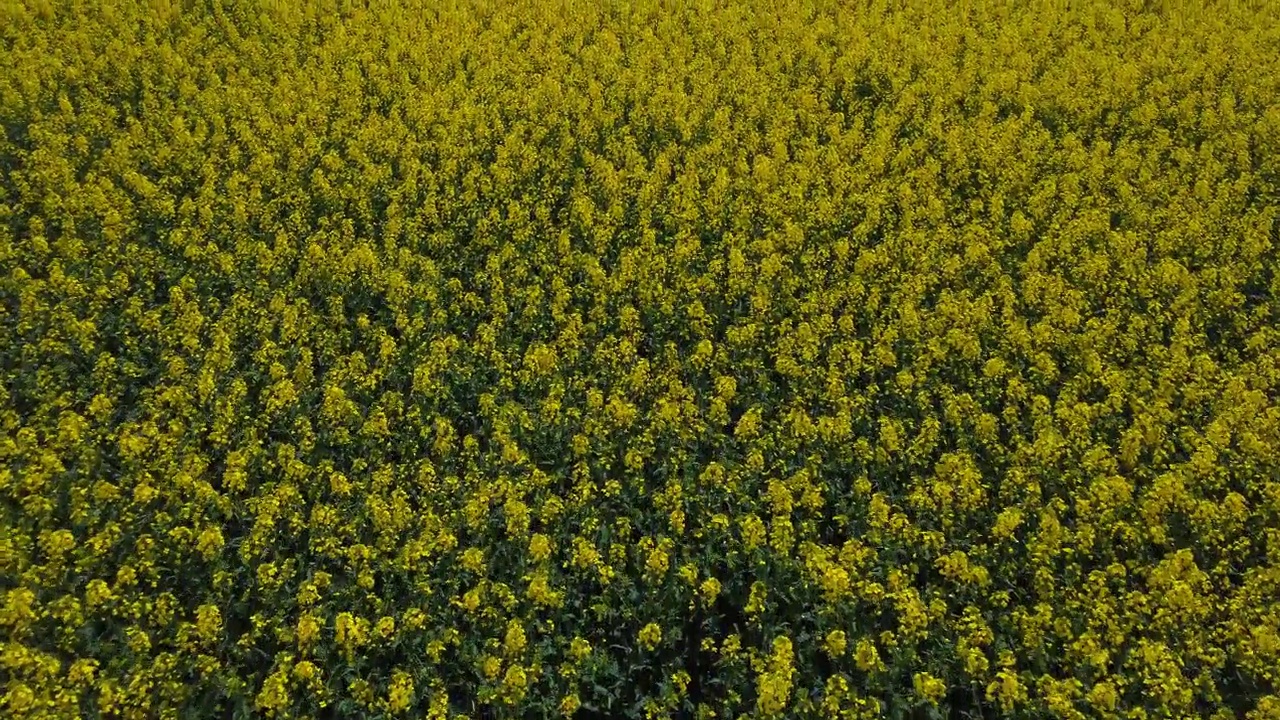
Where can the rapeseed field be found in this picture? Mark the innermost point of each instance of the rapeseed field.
(639, 359)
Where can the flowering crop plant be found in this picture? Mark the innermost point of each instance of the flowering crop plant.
(499, 359)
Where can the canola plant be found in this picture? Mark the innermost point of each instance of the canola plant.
(639, 359)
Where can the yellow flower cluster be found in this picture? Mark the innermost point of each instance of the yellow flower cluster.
(775, 679)
(802, 358)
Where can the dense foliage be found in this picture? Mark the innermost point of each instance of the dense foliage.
(506, 359)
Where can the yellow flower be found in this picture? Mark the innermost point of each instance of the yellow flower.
(210, 542)
(473, 559)
(1103, 696)
(782, 535)
(400, 694)
(753, 532)
(471, 599)
(208, 622)
(351, 632)
(579, 649)
(835, 582)
(1006, 523)
(541, 593)
(689, 573)
(82, 672)
(305, 671)
(517, 514)
(585, 555)
(681, 681)
(731, 645)
(514, 683)
(929, 687)
(307, 631)
(1007, 690)
(569, 704)
(975, 661)
(755, 601)
(491, 666)
(539, 547)
(362, 692)
(415, 619)
(657, 563)
(710, 589)
(96, 592)
(1268, 709)
(866, 656)
(773, 686)
(650, 636)
(835, 643)
(274, 696)
(514, 642)
(748, 425)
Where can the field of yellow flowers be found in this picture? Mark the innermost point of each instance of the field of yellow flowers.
(639, 359)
